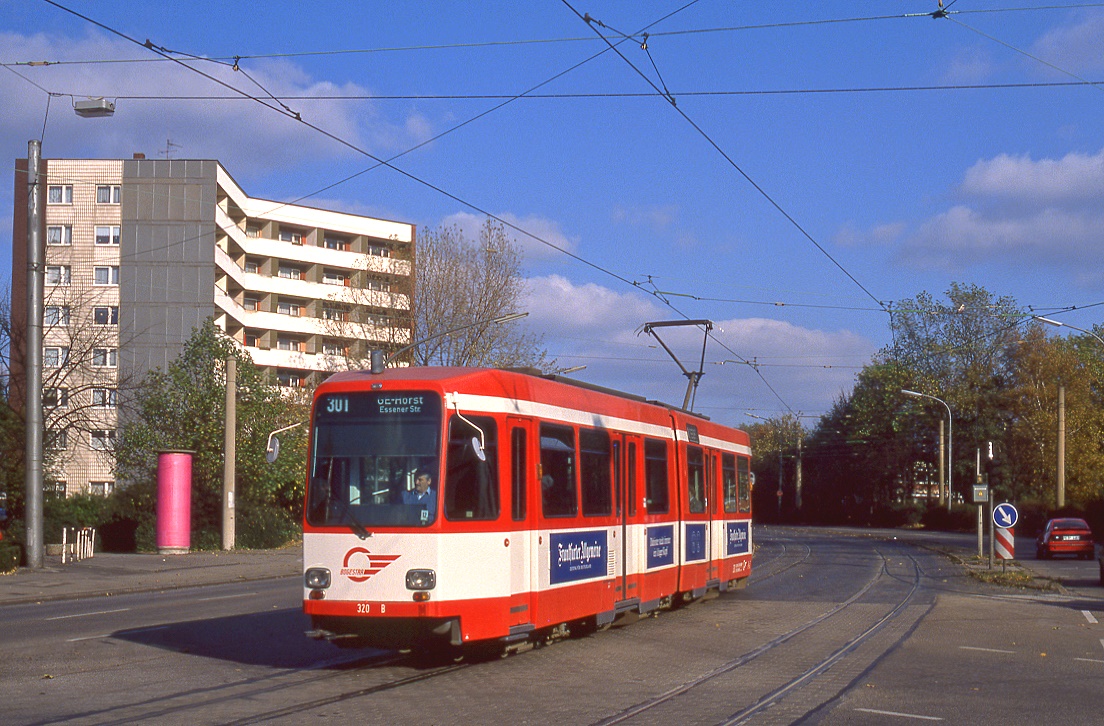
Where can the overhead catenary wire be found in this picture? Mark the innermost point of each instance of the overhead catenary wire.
(577, 39)
(382, 162)
(763, 192)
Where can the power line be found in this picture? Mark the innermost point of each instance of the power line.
(797, 225)
(548, 41)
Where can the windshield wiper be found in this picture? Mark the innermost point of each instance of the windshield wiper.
(347, 515)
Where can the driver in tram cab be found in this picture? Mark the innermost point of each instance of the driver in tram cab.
(423, 494)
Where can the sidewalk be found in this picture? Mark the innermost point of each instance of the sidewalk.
(112, 574)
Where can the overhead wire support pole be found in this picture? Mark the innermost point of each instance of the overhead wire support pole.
(693, 376)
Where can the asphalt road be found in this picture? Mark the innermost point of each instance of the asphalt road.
(832, 629)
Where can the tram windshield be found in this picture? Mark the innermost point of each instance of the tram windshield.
(371, 454)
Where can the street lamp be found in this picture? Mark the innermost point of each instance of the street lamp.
(950, 441)
(1059, 324)
(35, 429)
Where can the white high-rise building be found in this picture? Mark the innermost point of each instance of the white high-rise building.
(139, 252)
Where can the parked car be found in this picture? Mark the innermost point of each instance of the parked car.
(1065, 536)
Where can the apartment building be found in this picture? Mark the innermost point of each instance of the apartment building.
(140, 251)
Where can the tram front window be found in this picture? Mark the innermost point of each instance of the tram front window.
(367, 452)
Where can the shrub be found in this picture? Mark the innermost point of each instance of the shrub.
(11, 555)
(264, 527)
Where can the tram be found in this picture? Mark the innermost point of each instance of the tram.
(462, 505)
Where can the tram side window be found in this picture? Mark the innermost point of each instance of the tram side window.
(655, 476)
(558, 471)
(471, 484)
(518, 464)
(594, 468)
(695, 479)
(728, 478)
(744, 478)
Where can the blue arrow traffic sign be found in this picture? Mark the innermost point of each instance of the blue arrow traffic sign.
(1005, 515)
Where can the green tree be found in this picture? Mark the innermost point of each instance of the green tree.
(183, 408)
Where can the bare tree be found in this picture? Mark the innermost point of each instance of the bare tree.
(461, 282)
(83, 386)
(458, 284)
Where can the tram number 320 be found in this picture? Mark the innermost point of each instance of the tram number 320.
(365, 608)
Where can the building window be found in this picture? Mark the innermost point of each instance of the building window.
(379, 251)
(58, 275)
(290, 273)
(335, 312)
(290, 235)
(101, 488)
(379, 285)
(290, 379)
(105, 357)
(252, 266)
(252, 230)
(103, 440)
(59, 235)
(289, 344)
(56, 315)
(55, 397)
(335, 243)
(105, 397)
(251, 303)
(57, 439)
(107, 235)
(251, 338)
(55, 356)
(332, 277)
(108, 193)
(285, 307)
(334, 347)
(59, 194)
(105, 315)
(105, 275)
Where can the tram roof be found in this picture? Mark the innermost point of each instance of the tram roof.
(437, 373)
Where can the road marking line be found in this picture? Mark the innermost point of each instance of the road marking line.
(84, 615)
(901, 715)
(1089, 616)
(1090, 660)
(226, 597)
(986, 650)
(120, 632)
(88, 637)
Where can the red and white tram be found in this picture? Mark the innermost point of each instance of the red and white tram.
(550, 503)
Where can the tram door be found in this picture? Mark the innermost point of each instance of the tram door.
(522, 541)
(625, 450)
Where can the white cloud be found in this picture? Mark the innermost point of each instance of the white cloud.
(1074, 48)
(242, 133)
(655, 217)
(1010, 210)
(539, 227)
(592, 325)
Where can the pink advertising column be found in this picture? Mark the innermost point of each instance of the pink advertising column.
(174, 502)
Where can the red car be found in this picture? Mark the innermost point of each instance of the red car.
(1065, 536)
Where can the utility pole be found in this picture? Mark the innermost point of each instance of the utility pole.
(942, 459)
(229, 454)
(1060, 484)
(32, 351)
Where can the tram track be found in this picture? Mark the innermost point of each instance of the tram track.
(653, 709)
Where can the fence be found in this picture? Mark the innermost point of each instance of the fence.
(82, 546)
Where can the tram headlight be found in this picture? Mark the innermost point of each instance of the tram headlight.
(317, 578)
(421, 579)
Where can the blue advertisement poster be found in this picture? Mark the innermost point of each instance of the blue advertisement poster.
(738, 539)
(661, 546)
(577, 556)
(695, 542)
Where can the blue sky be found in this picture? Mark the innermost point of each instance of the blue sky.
(831, 157)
